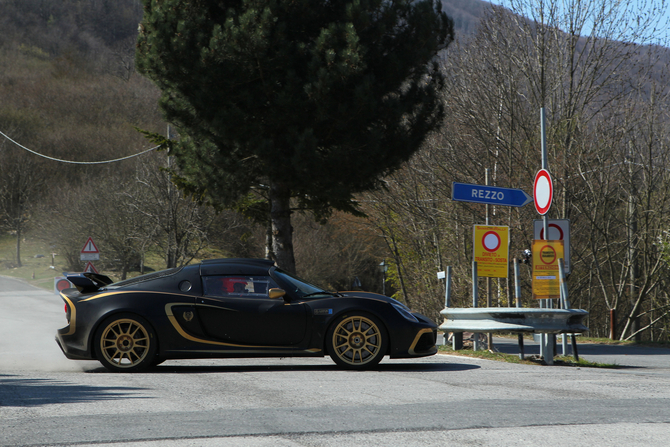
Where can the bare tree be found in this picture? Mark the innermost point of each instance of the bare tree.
(179, 224)
(590, 66)
(22, 178)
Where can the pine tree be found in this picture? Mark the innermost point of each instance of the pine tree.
(302, 102)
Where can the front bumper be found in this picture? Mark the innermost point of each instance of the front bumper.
(417, 340)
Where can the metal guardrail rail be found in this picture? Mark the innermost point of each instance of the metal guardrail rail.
(545, 321)
(513, 319)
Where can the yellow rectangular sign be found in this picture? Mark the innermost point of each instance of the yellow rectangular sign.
(491, 251)
(546, 281)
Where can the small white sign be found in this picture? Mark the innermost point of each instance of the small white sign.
(90, 251)
(441, 275)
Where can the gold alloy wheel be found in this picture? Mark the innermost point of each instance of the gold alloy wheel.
(357, 341)
(125, 343)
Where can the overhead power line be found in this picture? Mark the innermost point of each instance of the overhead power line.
(77, 162)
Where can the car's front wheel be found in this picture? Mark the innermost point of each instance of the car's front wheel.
(357, 341)
(126, 343)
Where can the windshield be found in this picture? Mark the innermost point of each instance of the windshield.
(296, 285)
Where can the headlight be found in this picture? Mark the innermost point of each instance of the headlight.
(404, 311)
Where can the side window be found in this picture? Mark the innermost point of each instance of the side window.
(238, 286)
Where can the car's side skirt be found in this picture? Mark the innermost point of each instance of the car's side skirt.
(242, 353)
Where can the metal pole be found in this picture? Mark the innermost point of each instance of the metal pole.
(543, 135)
(456, 337)
(489, 336)
(517, 293)
(574, 348)
(542, 336)
(563, 302)
(475, 299)
(447, 292)
(517, 283)
(566, 303)
(544, 345)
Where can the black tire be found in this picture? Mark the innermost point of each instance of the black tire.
(126, 343)
(357, 341)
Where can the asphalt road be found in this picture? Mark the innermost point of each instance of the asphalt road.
(626, 357)
(46, 399)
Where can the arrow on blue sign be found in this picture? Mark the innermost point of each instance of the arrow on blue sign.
(492, 195)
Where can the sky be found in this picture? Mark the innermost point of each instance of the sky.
(658, 11)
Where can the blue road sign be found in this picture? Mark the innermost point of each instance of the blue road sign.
(492, 195)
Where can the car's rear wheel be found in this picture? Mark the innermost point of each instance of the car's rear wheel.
(357, 341)
(126, 343)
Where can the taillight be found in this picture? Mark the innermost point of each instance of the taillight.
(67, 313)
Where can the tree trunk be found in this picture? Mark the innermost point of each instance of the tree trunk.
(124, 270)
(282, 231)
(269, 252)
(18, 242)
(632, 248)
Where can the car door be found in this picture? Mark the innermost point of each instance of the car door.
(237, 309)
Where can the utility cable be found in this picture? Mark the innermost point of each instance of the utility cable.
(78, 162)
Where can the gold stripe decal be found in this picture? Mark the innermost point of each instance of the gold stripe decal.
(102, 295)
(73, 315)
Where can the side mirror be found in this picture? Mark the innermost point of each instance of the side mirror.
(276, 293)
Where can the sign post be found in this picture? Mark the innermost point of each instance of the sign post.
(491, 251)
(491, 259)
(546, 279)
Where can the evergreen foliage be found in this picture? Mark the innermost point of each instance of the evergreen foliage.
(311, 100)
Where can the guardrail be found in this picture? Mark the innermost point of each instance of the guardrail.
(513, 319)
(545, 320)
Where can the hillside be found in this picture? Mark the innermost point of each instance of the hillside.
(465, 14)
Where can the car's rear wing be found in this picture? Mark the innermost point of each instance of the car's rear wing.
(88, 282)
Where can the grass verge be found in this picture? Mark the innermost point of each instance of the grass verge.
(528, 360)
(39, 267)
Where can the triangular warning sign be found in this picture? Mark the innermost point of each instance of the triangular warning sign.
(89, 268)
(90, 247)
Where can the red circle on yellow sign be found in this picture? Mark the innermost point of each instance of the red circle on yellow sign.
(553, 254)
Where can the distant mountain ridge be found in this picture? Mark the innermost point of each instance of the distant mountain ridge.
(465, 14)
(101, 28)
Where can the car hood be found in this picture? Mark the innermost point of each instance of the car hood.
(370, 295)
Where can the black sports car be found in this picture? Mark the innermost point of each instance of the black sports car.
(233, 308)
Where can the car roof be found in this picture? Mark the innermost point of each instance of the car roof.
(238, 261)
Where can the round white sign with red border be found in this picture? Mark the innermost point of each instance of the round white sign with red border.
(543, 191)
(491, 241)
